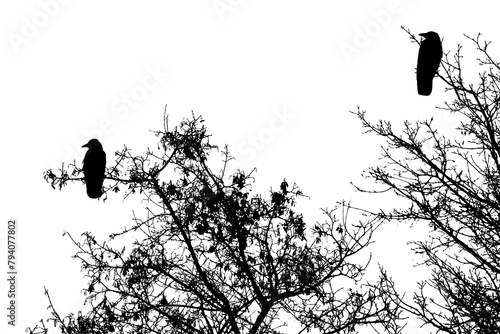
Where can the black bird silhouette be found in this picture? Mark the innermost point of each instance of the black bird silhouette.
(429, 57)
(94, 165)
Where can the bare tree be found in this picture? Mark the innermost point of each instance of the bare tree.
(211, 257)
(452, 182)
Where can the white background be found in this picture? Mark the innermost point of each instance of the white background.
(67, 67)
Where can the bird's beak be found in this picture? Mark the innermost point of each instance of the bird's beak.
(423, 34)
(86, 145)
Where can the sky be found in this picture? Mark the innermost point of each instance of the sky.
(274, 80)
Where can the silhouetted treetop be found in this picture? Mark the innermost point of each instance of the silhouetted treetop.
(211, 256)
(449, 178)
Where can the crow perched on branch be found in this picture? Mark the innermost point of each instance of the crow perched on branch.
(429, 57)
(94, 165)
